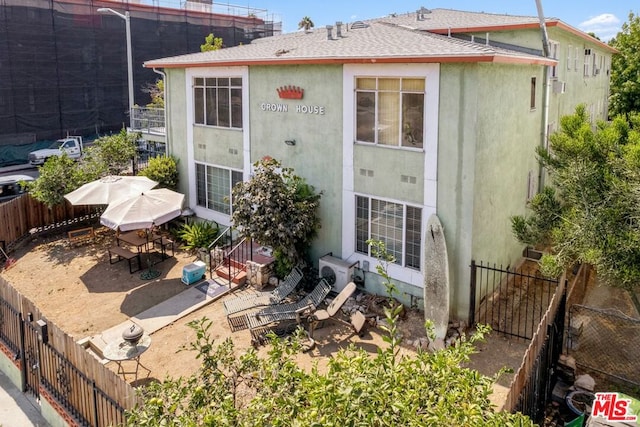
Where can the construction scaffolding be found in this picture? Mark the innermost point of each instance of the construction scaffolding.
(63, 65)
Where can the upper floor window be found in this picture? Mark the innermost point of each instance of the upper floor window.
(395, 224)
(554, 49)
(569, 50)
(390, 111)
(532, 100)
(587, 61)
(218, 101)
(213, 187)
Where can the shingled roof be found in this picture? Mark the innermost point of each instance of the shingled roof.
(408, 38)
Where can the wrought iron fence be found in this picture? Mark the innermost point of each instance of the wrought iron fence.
(607, 342)
(511, 300)
(145, 151)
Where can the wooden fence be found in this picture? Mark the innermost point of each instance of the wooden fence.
(25, 215)
(56, 368)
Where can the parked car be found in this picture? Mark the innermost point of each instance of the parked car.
(12, 186)
(71, 146)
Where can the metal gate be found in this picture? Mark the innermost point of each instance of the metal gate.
(31, 358)
(511, 300)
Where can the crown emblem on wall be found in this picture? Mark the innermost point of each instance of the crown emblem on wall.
(290, 92)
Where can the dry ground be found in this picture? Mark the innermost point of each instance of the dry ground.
(80, 291)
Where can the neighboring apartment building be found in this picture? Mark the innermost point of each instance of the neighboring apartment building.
(393, 119)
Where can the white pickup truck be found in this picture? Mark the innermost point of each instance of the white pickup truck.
(71, 146)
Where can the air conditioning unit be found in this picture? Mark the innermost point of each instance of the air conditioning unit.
(559, 86)
(337, 271)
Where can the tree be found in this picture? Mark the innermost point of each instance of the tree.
(625, 68)
(279, 209)
(113, 152)
(156, 92)
(58, 176)
(591, 214)
(306, 23)
(357, 389)
(211, 43)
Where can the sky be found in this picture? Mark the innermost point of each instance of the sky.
(602, 17)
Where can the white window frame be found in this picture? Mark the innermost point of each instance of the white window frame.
(210, 204)
(569, 51)
(400, 144)
(362, 248)
(587, 62)
(554, 49)
(227, 90)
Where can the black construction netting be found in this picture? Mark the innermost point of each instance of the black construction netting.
(63, 66)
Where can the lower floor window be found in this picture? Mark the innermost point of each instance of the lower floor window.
(213, 187)
(397, 225)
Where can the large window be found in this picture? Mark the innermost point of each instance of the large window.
(218, 101)
(397, 225)
(213, 187)
(390, 111)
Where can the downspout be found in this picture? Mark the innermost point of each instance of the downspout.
(166, 115)
(546, 92)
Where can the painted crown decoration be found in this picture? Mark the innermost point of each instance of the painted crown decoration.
(290, 92)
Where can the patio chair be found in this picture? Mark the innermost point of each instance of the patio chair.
(261, 321)
(246, 302)
(318, 316)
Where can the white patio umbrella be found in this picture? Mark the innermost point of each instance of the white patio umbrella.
(153, 207)
(109, 189)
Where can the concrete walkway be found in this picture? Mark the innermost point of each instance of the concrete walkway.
(16, 408)
(163, 314)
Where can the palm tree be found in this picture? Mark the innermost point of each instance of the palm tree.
(306, 23)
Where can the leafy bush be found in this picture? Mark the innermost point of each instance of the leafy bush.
(199, 234)
(164, 170)
(357, 389)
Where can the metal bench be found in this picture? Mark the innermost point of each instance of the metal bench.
(117, 254)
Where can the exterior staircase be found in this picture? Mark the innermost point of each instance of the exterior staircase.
(233, 271)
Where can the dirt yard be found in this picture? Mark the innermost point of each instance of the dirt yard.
(80, 291)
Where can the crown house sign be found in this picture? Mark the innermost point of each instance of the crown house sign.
(291, 92)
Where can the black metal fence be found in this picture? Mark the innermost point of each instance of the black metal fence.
(607, 342)
(537, 389)
(145, 151)
(511, 301)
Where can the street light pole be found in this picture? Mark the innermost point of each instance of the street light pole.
(127, 20)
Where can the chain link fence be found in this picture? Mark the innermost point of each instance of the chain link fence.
(605, 341)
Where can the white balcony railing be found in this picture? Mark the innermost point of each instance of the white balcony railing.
(148, 120)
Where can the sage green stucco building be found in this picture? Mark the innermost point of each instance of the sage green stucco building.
(393, 119)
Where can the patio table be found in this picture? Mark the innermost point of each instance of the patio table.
(132, 238)
(121, 350)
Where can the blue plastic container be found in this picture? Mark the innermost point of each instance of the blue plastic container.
(194, 272)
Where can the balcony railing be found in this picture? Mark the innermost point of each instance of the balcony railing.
(148, 120)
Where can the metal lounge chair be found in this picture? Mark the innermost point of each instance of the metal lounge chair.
(357, 319)
(286, 312)
(246, 302)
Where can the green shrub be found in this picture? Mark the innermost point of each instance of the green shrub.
(164, 170)
(198, 234)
